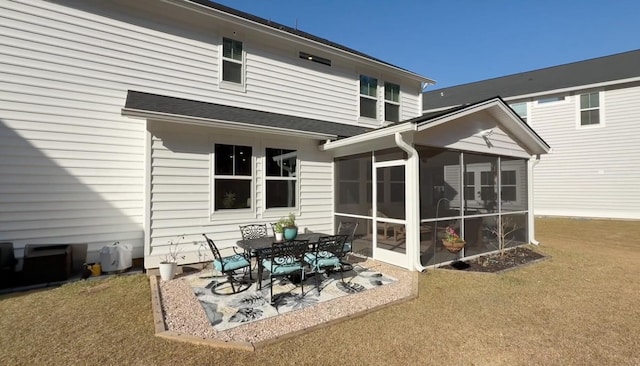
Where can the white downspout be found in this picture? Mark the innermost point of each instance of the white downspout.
(531, 164)
(412, 181)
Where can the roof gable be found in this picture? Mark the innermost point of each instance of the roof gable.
(494, 113)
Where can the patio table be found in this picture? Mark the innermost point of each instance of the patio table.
(257, 245)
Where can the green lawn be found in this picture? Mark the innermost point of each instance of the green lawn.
(581, 307)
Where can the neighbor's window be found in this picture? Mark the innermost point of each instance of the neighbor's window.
(368, 96)
(232, 177)
(469, 185)
(281, 177)
(391, 102)
(520, 109)
(487, 186)
(232, 61)
(590, 109)
(508, 185)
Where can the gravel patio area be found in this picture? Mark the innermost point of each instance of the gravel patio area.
(184, 318)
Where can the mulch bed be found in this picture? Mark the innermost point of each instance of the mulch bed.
(495, 262)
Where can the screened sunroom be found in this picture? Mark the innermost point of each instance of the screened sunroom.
(467, 170)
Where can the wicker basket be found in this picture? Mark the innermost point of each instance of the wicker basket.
(454, 246)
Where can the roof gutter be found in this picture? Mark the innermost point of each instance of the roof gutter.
(208, 122)
(367, 136)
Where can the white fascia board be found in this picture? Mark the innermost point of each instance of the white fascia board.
(207, 122)
(292, 37)
(523, 130)
(368, 136)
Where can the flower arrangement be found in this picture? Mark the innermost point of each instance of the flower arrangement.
(451, 236)
(452, 241)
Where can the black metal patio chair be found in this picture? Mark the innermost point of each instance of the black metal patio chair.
(253, 231)
(325, 256)
(285, 259)
(347, 228)
(228, 265)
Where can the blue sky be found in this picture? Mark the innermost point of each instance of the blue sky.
(456, 42)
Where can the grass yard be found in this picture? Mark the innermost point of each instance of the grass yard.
(581, 307)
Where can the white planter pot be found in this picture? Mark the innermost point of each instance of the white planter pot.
(279, 236)
(167, 271)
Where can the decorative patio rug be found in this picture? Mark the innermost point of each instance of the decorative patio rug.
(225, 312)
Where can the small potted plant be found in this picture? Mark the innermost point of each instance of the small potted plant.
(278, 230)
(290, 230)
(169, 263)
(452, 240)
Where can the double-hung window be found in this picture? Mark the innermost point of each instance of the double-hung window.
(232, 61)
(391, 102)
(368, 97)
(281, 177)
(232, 177)
(590, 109)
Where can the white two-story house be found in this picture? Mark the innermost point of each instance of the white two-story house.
(141, 121)
(589, 112)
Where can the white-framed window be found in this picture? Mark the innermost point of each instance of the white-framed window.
(233, 61)
(232, 178)
(521, 109)
(368, 97)
(281, 178)
(590, 109)
(391, 102)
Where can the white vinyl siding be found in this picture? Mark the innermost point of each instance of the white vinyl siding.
(591, 172)
(70, 156)
(181, 189)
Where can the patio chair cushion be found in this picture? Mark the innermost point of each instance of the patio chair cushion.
(231, 263)
(280, 269)
(323, 259)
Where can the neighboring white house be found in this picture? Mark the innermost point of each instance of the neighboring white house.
(142, 121)
(589, 112)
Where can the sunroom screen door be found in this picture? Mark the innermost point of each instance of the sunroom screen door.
(389, 216)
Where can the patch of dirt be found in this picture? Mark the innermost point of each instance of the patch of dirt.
(495, 262)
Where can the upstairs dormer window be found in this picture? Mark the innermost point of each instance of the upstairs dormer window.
(232, 61)
(391, 102)
(368, 97)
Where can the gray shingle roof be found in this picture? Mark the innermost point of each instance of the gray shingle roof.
(191, 108)
(608, 68)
